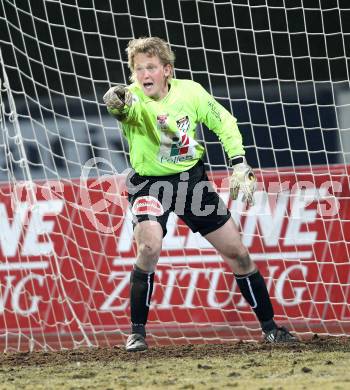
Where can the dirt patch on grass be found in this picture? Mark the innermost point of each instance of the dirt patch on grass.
(194, 352)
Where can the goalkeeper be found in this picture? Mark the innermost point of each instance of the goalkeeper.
(159, 116)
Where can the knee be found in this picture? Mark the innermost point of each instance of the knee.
(148, 255)
(149, 250)
(244, 263)
(236, 250)
(240, 259)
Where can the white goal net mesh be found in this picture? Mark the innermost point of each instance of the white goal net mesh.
(282, 68)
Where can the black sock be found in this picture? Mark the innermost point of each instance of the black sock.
(141, 288)
(254, 290)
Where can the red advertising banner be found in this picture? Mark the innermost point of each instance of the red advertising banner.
(66, 260)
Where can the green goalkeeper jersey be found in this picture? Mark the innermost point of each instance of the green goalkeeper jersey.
(162, 134)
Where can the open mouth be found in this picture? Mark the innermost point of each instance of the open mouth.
(148, 85)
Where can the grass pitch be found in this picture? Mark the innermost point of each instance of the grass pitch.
(316, 364)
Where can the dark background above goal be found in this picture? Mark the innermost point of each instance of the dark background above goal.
(282, 67)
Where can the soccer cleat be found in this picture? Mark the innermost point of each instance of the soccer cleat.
(280, 335)
(136, 342)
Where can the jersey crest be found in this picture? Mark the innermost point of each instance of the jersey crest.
(183, 124)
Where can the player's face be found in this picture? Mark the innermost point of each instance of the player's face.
(151, 75)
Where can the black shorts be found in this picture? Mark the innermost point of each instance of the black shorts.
(188, 194)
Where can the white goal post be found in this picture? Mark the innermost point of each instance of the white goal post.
(66, 248)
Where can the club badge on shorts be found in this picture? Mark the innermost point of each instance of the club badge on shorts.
(147, 205)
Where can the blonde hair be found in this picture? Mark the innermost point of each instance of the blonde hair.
(152, 46)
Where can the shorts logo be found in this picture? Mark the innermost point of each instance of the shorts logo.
(147, 205)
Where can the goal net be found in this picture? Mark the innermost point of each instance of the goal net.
(66, 246)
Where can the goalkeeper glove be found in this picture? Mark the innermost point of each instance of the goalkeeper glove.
(243, 178)
(116, 98)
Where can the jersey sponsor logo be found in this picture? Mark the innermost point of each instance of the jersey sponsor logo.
(175, 159)
(175, 146)
(147, 205)
(183, 124)
(180, 145)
